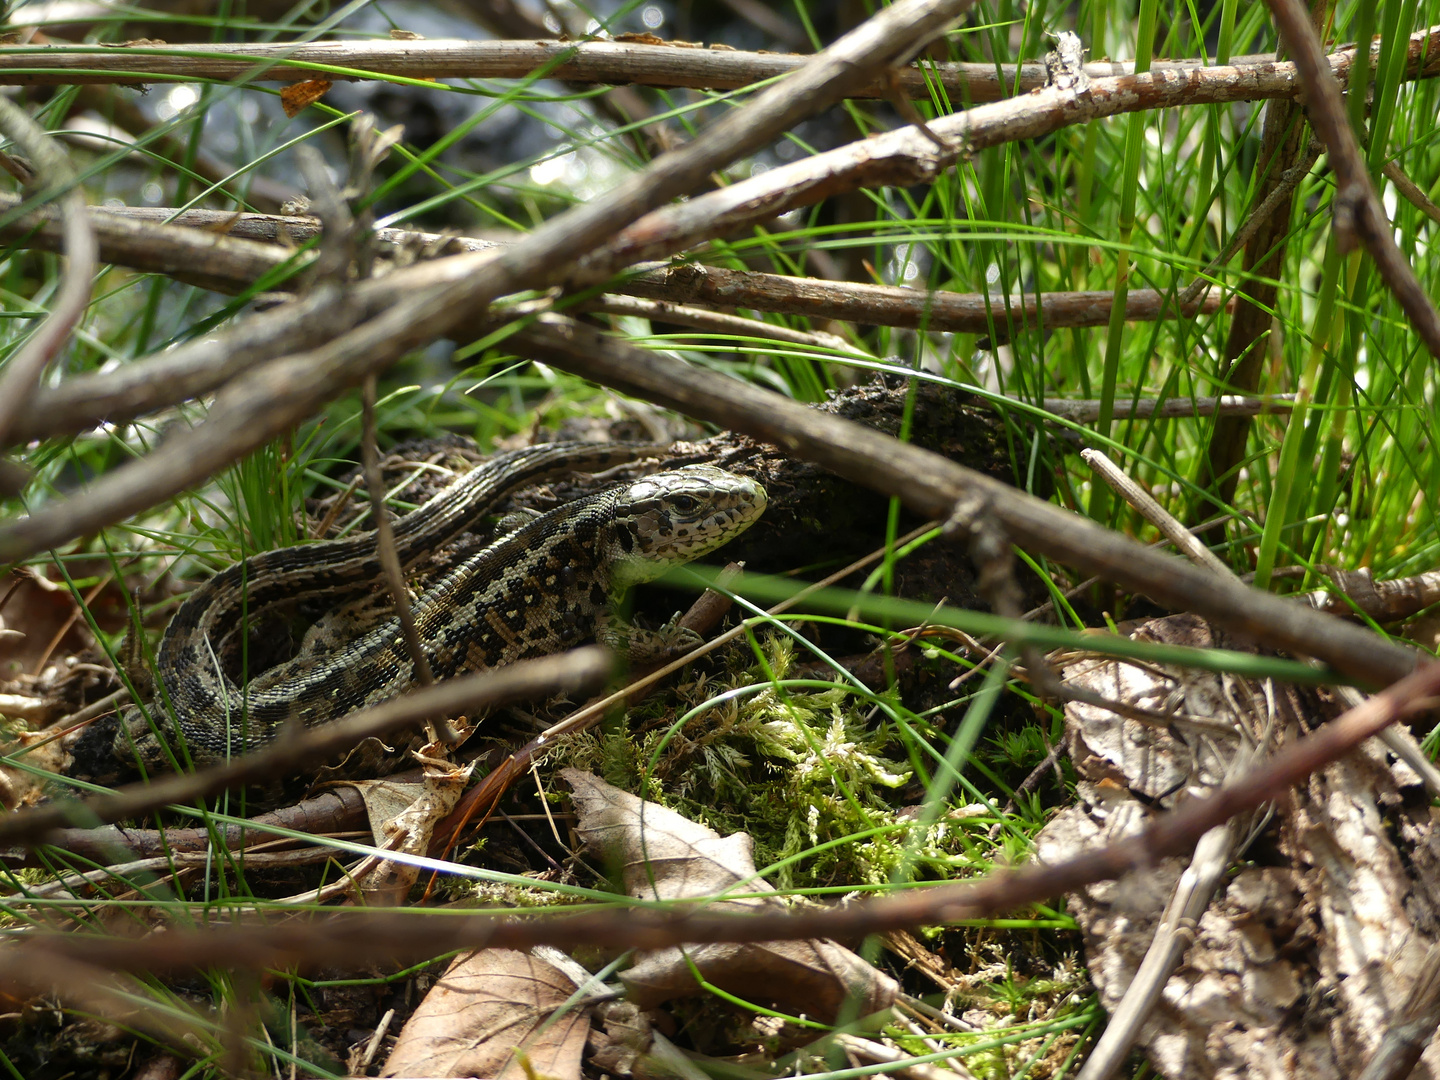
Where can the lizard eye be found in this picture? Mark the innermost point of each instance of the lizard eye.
(686, 504)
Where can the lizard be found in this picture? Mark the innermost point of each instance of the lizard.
(542, 587)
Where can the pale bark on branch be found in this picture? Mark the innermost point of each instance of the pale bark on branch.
(663, 64)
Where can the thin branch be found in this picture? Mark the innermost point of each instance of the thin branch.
(204, 256)
(578, 672)
(170, 251)
(22, 374)
(931, 485)
(1411, 191)
(1257, 219)
(389, 559)
(879, 305)
(385, 536)
(1173, 935)
(716, 322)
(338, 809)
(401, 936)
(1357, 208)
(1086, 410)
(1183, 539)
(886, 305)
(671, 64)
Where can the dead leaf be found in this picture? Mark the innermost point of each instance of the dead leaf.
(1302, 961)
(1153, 760)
(44, 756)
(40, 621)
(490, 1009)
(407, 826)
(296, 97)
(665, 856)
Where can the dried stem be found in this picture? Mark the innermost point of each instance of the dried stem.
(931, 485)
(340, 938)
(1357, 209)
(581, 671)
(614, 62)
(22, 373)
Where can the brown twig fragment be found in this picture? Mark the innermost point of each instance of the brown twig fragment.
(580, 671)
(1411, 191)
(1183, 539)
(1289, 179)
(340, 939)
(614, 62)
(385, 540)
(22, 373)
(1085, 410)
(197, 256)
(1357, 209)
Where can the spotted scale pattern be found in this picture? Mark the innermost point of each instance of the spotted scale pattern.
(539, 589)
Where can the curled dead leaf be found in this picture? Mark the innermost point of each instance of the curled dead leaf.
(495, 1013)
(664, 856)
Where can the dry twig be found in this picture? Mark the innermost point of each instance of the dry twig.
(1357, 209)
(337, 940)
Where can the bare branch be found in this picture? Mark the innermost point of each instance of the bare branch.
(578, 672)
(1357, 208)
(931, 485)
(887, 305)
(1411, 191)
(22, 374)
(205, 256)
(670, 64)
(1085, 410)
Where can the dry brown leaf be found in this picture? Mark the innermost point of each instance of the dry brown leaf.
(38, 621)
(298, 96)
(1153, 761)
(29, 786)
(486, 1012)
(1301, 962)
(407, 826)
(664, 856)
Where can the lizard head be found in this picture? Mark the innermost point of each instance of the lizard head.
(673, 517)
